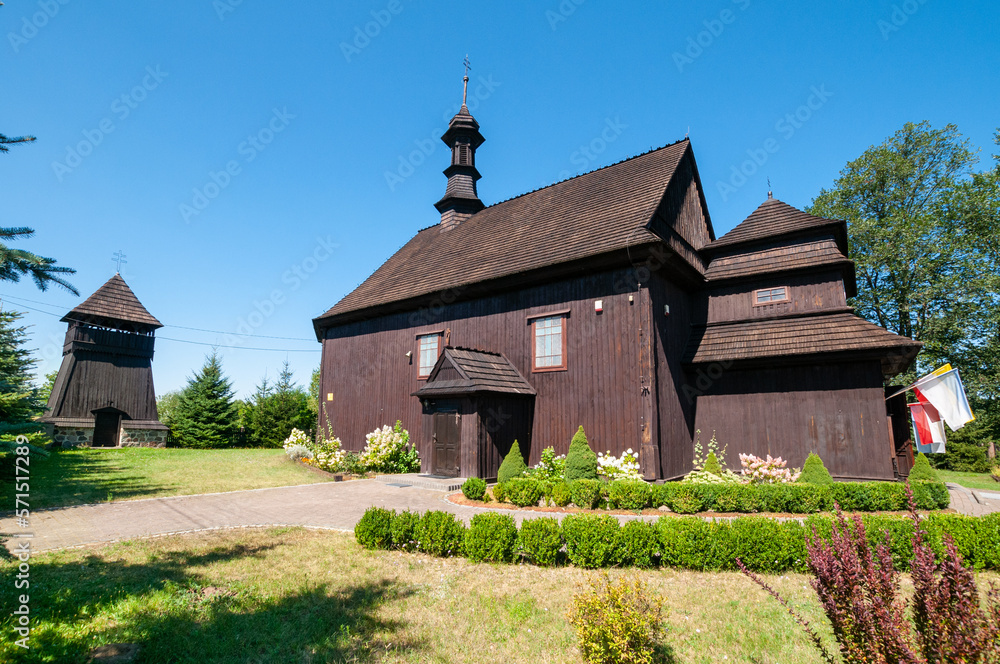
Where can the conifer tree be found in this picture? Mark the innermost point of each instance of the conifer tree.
(206, 413)
(814, 472)
(581, 462)
(19, 400)
(513, 465)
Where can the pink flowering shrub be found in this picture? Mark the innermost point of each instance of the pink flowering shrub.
(767, 471)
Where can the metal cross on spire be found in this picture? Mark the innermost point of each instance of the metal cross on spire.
(465, 79)
(119, 257)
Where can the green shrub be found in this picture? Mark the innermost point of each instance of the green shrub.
(663, 494)
(962, 457)
(712, 464)
(814, 472)
(562, 494)
(586, 493)
(592, 540)
(498, 493)
(629, 495)
(523, 491)
(618, 622)
(490, 538)
(403, 530)
(640, 545)
(808, 498)
(440, 534)
(930, 495)
(474, 488)
(374, 528)
(540, 541)
(922, 471)
(685, 542)
(581, 462)
(686, 499)
(512, 465)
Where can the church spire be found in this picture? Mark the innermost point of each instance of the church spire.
(460, 200)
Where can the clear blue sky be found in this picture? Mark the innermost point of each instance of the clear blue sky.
(183, 86)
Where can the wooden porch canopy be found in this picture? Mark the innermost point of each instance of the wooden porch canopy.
(465, 371)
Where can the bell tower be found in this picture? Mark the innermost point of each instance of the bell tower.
(460, 200)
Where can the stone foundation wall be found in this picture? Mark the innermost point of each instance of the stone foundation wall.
(73, 436)
(143, 438)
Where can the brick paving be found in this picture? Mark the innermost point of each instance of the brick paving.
(964, 501)
(329, 505)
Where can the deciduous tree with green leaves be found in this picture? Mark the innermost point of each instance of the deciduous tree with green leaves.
(924, 231)
(205, 415)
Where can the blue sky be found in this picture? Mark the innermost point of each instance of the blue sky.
(256, 161)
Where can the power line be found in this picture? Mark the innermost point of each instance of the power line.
(179, 327)
(203, 343)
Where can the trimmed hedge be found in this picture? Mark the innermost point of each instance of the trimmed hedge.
(682, 498)
(596, 540)
(474, 488)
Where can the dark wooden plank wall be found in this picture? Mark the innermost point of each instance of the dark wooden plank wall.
(835, 410)
(88, 381)
(809, 292)
(365, 368)
(501, 420)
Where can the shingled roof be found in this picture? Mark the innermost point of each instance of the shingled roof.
(114, 302)
(476, 371)
(584, 216)
(838, 331)
(772, 218)
(779, 256)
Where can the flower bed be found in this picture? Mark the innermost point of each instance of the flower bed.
(685, 498)
(593, 540)
(387, 450)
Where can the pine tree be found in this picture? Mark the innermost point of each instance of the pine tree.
(513, 465)
(19, 401)
(205, 414)
(581, 462)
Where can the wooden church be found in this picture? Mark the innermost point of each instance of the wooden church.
(606, 300)
(103, 395)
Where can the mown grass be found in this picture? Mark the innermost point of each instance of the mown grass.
(75, 477)
(295, 595)
(970, 480)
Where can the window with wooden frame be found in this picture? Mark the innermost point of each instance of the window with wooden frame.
(770, 295)
(428, 350)
(549, 343)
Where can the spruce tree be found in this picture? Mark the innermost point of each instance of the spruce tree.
(19, 400)
(276, 409)
(814, 472)
(922, 471)
(205, 414)
(712, 464)
(513, 465)
(581, 462)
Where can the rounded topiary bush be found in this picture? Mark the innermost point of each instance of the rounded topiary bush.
(630, 494)
(581, 462)
(440, 534)
(586, 493)
(523, 491)
(491, 538)
(403, 530)
(686, 500)
(540, 541)
(374, 529)
(512, 466)
(922, 471)
(592, 540)
(474, 488)
(640, 544)
(814, 472)
(562, 494)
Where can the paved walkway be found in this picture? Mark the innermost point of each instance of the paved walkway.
(972, 501)
(329, 505)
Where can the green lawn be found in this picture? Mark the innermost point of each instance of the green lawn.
(75, 477)
(970, 480)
